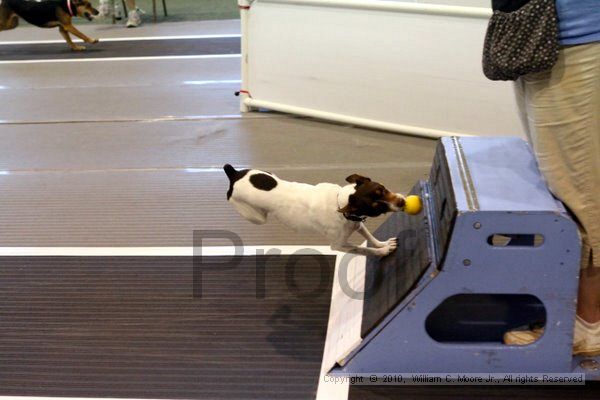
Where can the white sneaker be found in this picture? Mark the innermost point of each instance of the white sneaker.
(105, 9)
(119, 12)
(586, 339)
(135, 18)
(522, 337)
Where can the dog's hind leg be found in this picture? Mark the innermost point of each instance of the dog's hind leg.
(65, 34)
(8, 19)
(13, 22)
(250, 213)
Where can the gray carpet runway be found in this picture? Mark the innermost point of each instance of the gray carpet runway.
(109, 49)
(142, 327)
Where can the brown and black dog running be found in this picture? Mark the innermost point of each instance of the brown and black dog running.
(49, 14)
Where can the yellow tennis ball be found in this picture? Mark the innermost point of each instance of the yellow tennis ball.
(413, 205)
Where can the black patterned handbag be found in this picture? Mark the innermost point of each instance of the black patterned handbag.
(522, 37)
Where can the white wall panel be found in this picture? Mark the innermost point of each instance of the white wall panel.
(415, 70)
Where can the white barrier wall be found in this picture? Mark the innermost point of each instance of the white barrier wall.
(405, 66)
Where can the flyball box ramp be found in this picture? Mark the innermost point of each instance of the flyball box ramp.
(492, 251)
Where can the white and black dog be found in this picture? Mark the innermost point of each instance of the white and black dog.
(331, 210)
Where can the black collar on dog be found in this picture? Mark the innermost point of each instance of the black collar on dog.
(355, 218)
(348, 216)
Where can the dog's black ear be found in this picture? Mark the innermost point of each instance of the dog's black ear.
(358, 179)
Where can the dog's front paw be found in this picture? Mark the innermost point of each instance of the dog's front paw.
(390, 242)
(94, 41)
(77, 47)
(389, 248)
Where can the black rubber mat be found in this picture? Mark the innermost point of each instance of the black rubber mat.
(141, 48)
(160, 327)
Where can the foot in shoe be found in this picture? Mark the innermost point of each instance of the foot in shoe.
(522, 337)
(105, 9)
(135, 18)
(586, 339)
(118, 11)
